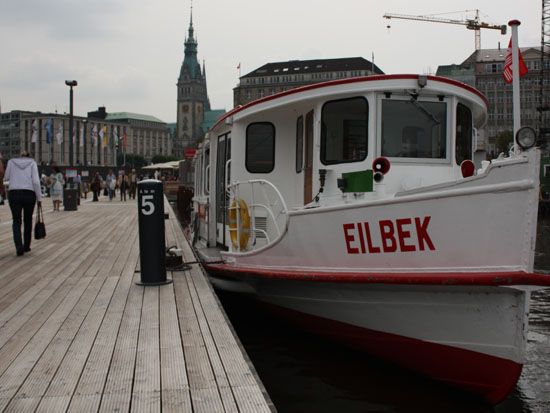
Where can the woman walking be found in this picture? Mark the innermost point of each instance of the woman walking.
(24, 191)
(96, 187)
(56, 191)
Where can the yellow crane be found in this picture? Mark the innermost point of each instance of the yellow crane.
(471, 24)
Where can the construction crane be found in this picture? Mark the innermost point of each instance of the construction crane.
(471, 24)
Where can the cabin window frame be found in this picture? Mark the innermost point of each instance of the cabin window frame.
(323, 140)
(471, 135)
(412, 160)
(299, 144)
(247, 140)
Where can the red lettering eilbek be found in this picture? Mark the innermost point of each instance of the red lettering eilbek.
(393, 236)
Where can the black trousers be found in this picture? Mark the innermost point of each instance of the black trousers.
(22, 205)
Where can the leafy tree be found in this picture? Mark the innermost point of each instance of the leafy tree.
(163, 158)
(136, 161)
(503, 141)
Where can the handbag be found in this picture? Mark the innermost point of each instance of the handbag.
(39, 226)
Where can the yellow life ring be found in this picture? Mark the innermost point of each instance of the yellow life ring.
(243, 231)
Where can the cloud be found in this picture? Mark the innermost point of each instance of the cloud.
(61, 19)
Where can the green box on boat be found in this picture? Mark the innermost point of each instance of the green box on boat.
(360, 181)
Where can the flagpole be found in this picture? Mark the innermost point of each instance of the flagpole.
(516, 102)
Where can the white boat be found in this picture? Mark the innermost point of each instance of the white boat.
(354, 208)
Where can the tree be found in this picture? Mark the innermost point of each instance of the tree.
(503, 141)
(163, 158)
(135, 161)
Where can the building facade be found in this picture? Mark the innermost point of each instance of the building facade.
(483, 69)
(273, 78)
(97, 139)
(192, 95)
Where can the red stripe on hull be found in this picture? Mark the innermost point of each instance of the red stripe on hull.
(443, 278)
(492, 378)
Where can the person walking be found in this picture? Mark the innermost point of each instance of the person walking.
(123, 185)
(110, 181)
(96, 187)
(56, 191)
(2, 189)
(132, 180)
(24, 192)
(85, 189)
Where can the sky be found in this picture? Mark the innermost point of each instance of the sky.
(126, 54)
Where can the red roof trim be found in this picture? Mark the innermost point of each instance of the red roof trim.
(453, 278)
(344, 82)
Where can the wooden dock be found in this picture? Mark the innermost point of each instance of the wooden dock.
(78, 334)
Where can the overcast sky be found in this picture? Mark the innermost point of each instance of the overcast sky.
(126, 54)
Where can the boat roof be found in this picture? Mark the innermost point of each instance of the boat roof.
(376, 78)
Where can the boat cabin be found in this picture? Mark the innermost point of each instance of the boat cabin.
(328, 144)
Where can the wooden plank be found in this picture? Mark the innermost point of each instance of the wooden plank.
(61, 346)
(146, 390)
(50, 287)
(175, 386)
(93, 378)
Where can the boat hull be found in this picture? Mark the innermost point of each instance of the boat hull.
(467, 336)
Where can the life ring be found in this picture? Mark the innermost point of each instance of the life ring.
(243, 231)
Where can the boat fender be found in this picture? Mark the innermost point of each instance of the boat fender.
(239, 230)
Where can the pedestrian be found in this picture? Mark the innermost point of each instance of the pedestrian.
(2, 189)
(96, 187)
(123, 185)
(78, 181)
(111, 184)
(85, 189)
(56, 191)
(132, 179)
(24, 191)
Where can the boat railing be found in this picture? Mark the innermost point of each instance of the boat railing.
(268, 213)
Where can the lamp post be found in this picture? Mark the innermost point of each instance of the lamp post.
(71, 83)
(84, 154)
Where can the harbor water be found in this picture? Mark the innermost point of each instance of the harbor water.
(306, 373)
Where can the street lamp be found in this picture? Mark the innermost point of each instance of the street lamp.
(71, 83)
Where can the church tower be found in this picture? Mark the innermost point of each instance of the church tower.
(192, 97)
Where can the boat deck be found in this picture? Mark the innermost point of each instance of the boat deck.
(78, 334)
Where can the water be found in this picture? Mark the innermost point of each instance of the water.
(306, 373)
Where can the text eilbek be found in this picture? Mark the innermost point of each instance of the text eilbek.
(403, 234)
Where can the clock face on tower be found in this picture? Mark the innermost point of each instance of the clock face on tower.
(185, 108)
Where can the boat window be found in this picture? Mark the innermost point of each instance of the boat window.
(260, 147)
(300, 144)
(344, 131)
(414, 129)
(463, 133)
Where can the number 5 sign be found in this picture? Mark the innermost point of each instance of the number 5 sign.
(152, 243)
(147, 205)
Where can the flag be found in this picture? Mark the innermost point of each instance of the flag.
(94, 135)
(59, 134)
(74, 134)
(124, 138)
(101, 134)
(507, 73)
(49, 131)
(34, 137)
(81, 139)
(104, 135)
(115, 135)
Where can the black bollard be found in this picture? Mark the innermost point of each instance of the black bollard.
(152, 248)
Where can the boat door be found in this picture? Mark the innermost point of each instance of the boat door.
(308, 161)
(223, 174)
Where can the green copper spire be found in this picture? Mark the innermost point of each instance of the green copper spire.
(190, 59)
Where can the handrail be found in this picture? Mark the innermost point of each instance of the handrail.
(274, 208)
